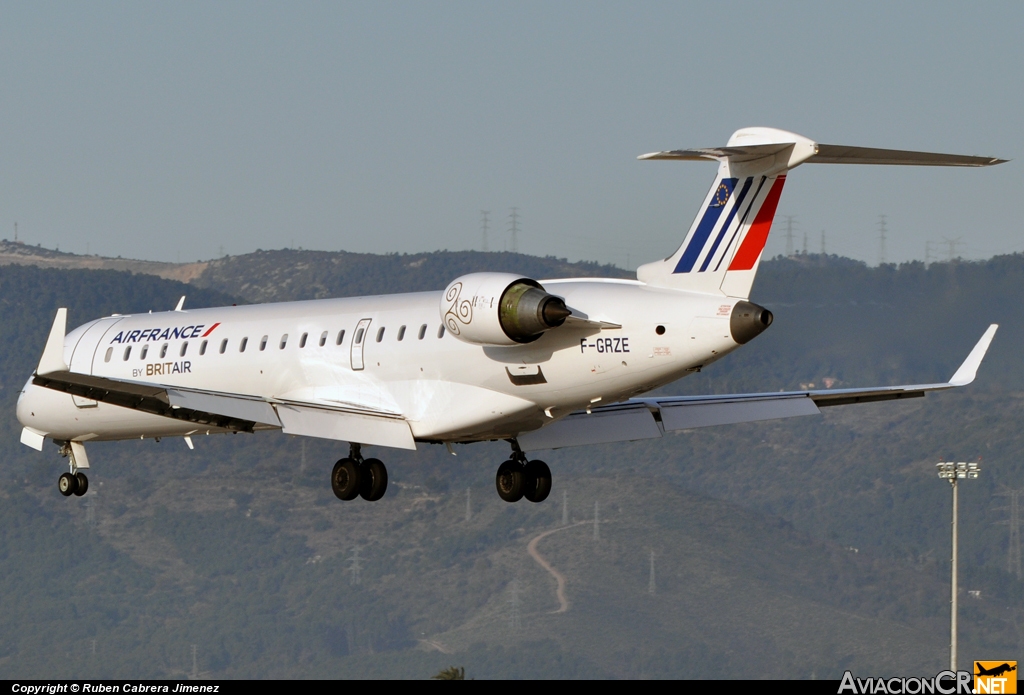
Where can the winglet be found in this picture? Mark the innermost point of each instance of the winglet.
(181, 303)
(969, 369)
(53, 354)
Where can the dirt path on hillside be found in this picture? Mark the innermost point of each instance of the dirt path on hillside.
(563, 602)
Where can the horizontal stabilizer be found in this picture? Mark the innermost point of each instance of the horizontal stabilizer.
(648, 418)
(825, 154)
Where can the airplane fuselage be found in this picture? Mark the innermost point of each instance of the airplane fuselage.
(390, 354)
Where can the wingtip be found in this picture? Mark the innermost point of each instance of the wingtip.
(52, 359)
(969, 369)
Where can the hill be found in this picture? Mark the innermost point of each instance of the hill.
(795, 548)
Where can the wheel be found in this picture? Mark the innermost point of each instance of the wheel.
(538, 481)
(83, 484)
(346, 479)
(509, 481)
(67, 484)
(375, 480)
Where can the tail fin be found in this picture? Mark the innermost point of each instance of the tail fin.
(721, 252)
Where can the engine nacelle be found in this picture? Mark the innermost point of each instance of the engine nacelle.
(499, 309)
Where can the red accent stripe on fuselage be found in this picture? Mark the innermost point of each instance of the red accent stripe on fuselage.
(211, 329)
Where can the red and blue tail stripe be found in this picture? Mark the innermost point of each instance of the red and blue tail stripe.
(719, 201)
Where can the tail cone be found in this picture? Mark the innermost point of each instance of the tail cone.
(748, 320)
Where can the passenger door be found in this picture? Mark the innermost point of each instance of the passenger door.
(358, 338)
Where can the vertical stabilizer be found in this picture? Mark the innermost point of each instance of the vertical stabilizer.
(723, 248)
(721, 252)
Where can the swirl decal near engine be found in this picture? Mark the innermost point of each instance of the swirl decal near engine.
(460, 311)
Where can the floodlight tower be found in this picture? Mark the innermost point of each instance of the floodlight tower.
(953, 472)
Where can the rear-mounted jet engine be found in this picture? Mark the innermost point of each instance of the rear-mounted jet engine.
(500, 309)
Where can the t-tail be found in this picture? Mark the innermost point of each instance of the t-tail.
(722, 250)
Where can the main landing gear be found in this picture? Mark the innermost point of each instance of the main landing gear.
(518, 478)
(358, 477)
(75, 482)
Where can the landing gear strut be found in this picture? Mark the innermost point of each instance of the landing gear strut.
(74, 482)
(518, 478)
(355, 476)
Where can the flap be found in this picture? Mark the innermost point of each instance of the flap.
(310, 421)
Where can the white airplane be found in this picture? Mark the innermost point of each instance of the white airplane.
(494, 356)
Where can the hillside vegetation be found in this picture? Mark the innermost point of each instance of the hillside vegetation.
(788, 549)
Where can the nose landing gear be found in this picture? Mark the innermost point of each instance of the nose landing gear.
(357, 477)
(518, 478)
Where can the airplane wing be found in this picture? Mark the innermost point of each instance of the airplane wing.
(225, 411)
(650, 418)
(239, 412)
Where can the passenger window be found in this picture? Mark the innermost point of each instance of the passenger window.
(163, 351)
(423, 331)
(144, 351)
(110, 351)
(380, 334)
(202, 347)
(241, 345)
(323, 338)
(184, 349)
(263, 343)
(127, 353)
(284, 340)
(401, 333)
(440, 331)
(223, 345)
(359, 336)
(341, 336)
(302, 340)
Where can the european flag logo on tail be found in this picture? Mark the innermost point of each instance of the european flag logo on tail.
(722, 194)
(719, 199)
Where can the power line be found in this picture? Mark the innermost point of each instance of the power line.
(513, 606)
(1013, 565)
(484, 226)
(953, 243)
(789, 235)
(355, 566)
(514, 228)
(883, 229)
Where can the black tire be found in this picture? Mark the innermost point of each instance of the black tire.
(510, 481)
(346, 479)
(83, 484)
(538, 481)
(67, 484)
(375, 480)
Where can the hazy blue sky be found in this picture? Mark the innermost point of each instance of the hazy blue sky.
(170, 130)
